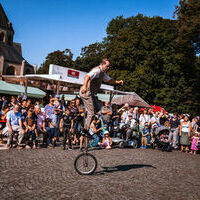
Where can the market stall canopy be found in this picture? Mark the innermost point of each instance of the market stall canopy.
(14, 89)
(132, 99)
(101, 97)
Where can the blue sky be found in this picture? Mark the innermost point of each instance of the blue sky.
(44, 26)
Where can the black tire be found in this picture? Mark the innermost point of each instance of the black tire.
(135, 144)
(121, 145)
(85, 159)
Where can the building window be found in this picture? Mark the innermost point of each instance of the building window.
(28, 71)
(10, 70)
(1, 37)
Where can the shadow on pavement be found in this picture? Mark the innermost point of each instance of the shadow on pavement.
(122, 168)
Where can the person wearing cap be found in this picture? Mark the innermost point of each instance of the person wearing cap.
(90, 88)
(124, 116)
(106, 142)
(131, 125)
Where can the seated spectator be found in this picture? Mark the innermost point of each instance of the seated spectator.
(107, 141)
(94, 132)
(54, 126)
(14, 124)
(130, 126)
(39, 118)
(30, 130)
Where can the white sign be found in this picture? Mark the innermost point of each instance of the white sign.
(72, 75)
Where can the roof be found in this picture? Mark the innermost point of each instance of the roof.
(4, 22)
(14, 89)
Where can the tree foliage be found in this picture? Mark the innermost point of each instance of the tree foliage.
(62, 58)
(90, 57)
(188, 14)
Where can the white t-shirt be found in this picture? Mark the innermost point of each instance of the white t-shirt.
(94, 73)
(143, 119)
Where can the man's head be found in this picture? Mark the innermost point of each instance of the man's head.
(105, 64)
(51, 101)
(67, 111)
(107, 103)
(16, 108)
(126, 106)
(37, 109)
(24, 103)
(130, 117)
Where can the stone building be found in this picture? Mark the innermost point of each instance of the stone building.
(11, 60)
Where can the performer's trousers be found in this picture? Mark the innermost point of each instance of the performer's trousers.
(91, 106)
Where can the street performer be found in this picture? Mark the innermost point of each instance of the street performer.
(90, 88)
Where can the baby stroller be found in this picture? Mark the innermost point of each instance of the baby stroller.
(160, 139)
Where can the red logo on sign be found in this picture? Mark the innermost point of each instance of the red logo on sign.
(73, 74)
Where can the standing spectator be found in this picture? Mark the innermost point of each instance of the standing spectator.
(4, 101)
(145, 132)
(136, 114)
(198, 126)
(124, 114)
(185, 128)
(23, 110)
(54, 127)
(75, 113)
(49, 108)
(66, 126)
(106, 112)
(14, 124)
(173, 135)
(144, 118)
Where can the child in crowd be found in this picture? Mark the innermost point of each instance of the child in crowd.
(53, 125)
(66, 125)
(145, 133)
(107, 141)
(93, 132)
(194, 146)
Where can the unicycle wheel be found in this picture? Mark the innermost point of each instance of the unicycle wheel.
(85, 164)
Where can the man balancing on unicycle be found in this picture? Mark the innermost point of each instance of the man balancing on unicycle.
(89, 90)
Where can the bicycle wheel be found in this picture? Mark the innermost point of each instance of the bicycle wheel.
(85, 164)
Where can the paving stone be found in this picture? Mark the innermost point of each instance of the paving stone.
(121, 174)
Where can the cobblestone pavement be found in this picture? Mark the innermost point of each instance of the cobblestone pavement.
(121, 174)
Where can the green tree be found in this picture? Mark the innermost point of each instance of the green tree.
(90, 57)
(145, 52)
(188, 15)
(62, 58)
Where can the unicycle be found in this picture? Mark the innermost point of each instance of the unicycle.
(85, 163)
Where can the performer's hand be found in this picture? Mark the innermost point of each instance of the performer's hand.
(83, 90)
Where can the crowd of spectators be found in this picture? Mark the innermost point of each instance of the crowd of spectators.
(25, 122)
